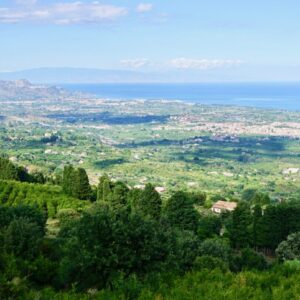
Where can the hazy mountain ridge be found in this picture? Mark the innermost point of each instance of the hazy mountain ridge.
(24, 90)
(78, 75)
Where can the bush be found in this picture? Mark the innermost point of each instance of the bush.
(210, 263)
(216, 247)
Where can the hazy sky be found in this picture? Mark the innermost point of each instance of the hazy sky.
(257, 39)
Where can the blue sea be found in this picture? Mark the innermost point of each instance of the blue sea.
(284, 96)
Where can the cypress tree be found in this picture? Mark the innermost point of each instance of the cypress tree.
(239, 228)
(68, 182)
(104, 188)
(118, 196)
(8, 171)
(257, 227)
(83, 189)
(180, 212)
(150, 202)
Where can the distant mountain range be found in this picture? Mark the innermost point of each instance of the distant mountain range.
(24, 90)
(243, 73)
(78, 75)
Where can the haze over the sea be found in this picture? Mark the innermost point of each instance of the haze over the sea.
(284, 96)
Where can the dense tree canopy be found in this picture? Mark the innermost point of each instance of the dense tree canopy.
(180, 212)
(137, 242)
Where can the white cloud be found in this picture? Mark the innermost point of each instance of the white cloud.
(135, 63)
(203, 64)
(63, 13)
(144, 7)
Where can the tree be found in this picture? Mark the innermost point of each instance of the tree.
(68, 181)
(261, 199)
(184, 250)
(82, 189)
(23, 238)
(210, 263)
(150, 202)
(198, 198)
(248, 194)
(257, 227)
(133, 198)
(106, 242)
(32, 213)
(104, 188)
(215, 247)
(8, 171)
(76, 183)
(239, 226)
(209, 226)
(290, 248)
(118, 196)
(276, 223)
(180, 212)
(252, 260)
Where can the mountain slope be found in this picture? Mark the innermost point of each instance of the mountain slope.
(24, 90)
(77, 75)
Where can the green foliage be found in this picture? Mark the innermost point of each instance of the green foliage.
(261, 199)
(185, 249)
(277, 223)
(125, 247)
(216, 247)
(210, 263)
(180, 212)
(104, 188)
(198, 198)
(106, 242)
(9, 171)
(257, 227)
(76, 183)
(68, 180)
(239, 227)
(289, 249)
(67, 214)
(250, 260)
(207, 283)
(82, 189)
(43, 271)
(117, 196)
(150, 202)
(22, 238)
(209, 225)
(47, 197)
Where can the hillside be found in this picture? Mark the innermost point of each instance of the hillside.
(131, 243)
(25, 90)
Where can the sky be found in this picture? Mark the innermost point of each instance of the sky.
(230, 40)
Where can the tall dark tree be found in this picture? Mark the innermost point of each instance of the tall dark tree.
(239, 228)
(8, 171)
(104, 189)
(209, 226)
(150, 202)
(118, 196)
(180, 212)
(257, 227)
(83, 189)
(68, 181)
